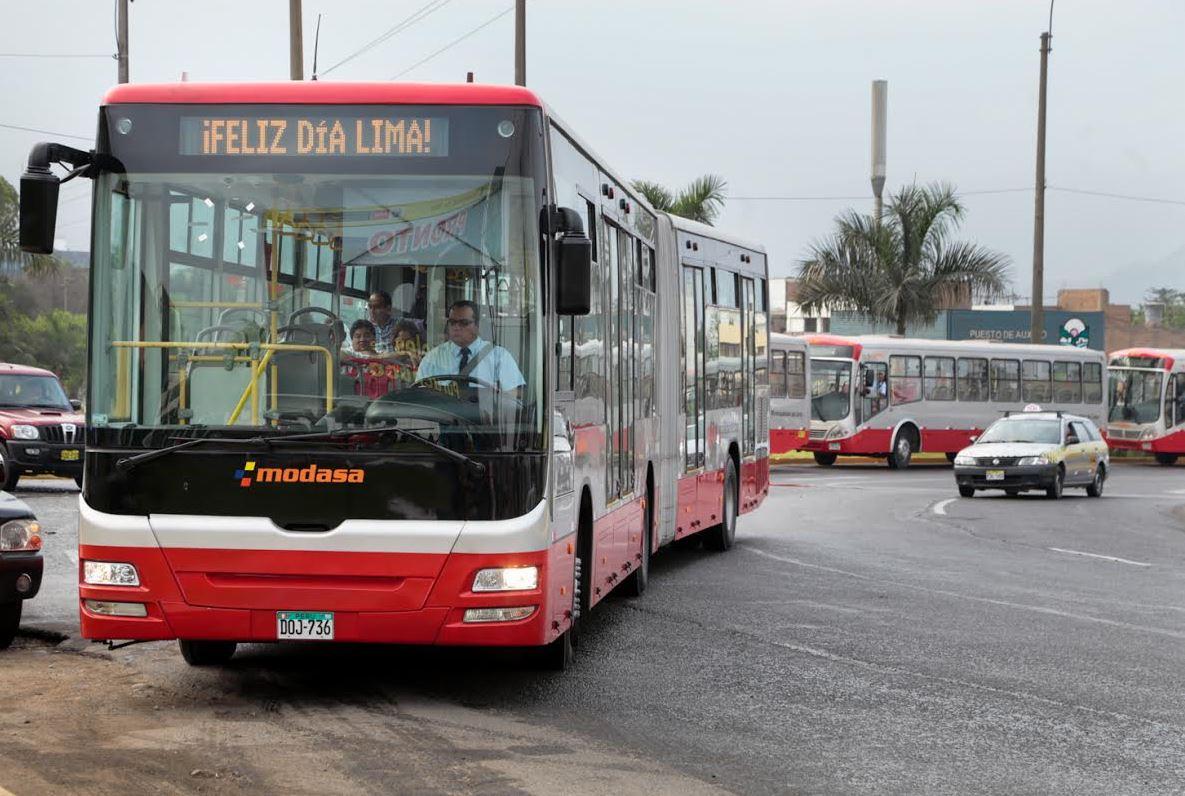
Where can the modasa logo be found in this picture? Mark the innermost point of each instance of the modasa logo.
(252, 473)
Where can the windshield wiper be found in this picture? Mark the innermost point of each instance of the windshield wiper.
(456, 456)
(127, 463)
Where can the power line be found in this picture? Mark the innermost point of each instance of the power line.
(859, 197)
(398, 27)
(56, 55)
(46, 132)
(454, 42)
(1128, 197)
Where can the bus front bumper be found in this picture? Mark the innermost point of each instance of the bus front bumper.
(243, 607)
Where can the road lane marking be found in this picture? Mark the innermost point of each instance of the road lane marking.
(1104, 558)
(1038, 609)
(940, 506)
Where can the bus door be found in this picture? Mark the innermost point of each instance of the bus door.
(1174, 401)
(874, 390)
(748, 343)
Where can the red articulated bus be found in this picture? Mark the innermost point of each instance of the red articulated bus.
(1146, 402)
(392, 363)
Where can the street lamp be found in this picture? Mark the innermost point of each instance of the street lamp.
(1037, 301)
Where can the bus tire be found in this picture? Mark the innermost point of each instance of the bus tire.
(206, 653)
(824, 459)
(1054, 490)
(558, 656)
(950, 457)
(635, 584)
(721, 537)
(10, 622)
(1095, 488)
(903, 447)
(1167, 459)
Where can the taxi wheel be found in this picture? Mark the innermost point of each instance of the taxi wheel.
(1096, 486)
(1054, 490)
(966, 491)
(10, 621)
(207, 653)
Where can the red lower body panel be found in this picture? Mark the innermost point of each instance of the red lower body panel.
(403, 598)
(879, 441)
(1173, 443)
(785, 440)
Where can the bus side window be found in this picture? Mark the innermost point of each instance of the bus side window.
(1005, 380)
(938, 382)
(1092, 382)
(1035, 384)
(1067, 382)
(905, 379)
(1178, 381)
(795, 374)
(777, 375)
(972, 379)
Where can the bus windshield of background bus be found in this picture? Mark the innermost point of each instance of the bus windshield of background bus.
(1048, 432)
(323, 293)
(1134, 395)
(831, 389)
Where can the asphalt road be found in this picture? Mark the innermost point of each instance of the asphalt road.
(871, 632)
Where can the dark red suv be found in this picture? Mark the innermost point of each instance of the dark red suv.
(41, 430)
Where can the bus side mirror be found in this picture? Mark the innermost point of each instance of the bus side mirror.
(573, 273)
(39, 210)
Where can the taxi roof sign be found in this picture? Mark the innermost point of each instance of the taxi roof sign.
(1032, 408)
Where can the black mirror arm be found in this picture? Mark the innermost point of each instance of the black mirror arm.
(44, 153)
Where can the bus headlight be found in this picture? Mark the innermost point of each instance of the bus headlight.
(106, 573)
(964, 461)
(1148, 433)
(834, 431)
(20, 535)
(507, 579)
(25, 432)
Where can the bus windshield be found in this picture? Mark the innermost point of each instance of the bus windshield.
(831, 389)
(324, 286)
(1134, 395)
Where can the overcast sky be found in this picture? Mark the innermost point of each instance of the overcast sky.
(774, 96)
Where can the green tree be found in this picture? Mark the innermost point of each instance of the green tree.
(700, 201)
(901, 268)
(10, 247)
(55, 341)
(1174, 305)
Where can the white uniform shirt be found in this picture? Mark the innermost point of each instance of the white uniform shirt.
(497, 367)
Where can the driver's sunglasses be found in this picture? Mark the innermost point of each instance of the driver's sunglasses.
(460, 322)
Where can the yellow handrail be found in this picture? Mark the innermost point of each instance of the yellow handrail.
(270, 348)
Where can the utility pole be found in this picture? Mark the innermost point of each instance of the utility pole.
(295, 42)
(880, 117)
(121, 39)
(1037, 301)
(520, 42)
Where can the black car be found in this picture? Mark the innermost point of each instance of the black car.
(20, 563)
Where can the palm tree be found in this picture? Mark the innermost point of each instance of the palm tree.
(700, 201)
(903, 267)
(10, 247)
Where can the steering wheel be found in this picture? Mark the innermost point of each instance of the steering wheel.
(430, 380)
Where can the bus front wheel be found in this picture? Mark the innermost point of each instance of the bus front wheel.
(207, 653)
(903, 448)
(1167, 459)
(824, 459)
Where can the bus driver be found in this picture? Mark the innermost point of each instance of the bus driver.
(465, 353)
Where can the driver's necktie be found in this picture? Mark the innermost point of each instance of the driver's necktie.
(464, 359)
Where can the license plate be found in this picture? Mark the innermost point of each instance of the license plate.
(304, 625)
(70, 456)
(995, 475)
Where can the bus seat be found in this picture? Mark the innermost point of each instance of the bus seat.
(213, 389)
(300, 375)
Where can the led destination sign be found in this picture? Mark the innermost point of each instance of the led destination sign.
(279, 136)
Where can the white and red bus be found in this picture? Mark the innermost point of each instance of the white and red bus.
(1146, 401)
(392, 363)
(789, 401)
(893, 397)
